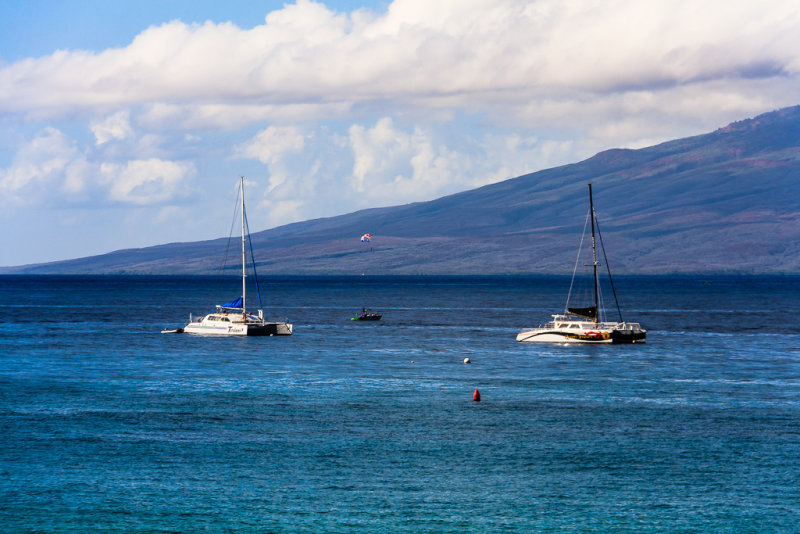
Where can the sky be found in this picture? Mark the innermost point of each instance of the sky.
(127, 124)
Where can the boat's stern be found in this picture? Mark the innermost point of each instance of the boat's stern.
(629, 333)
(269, 329)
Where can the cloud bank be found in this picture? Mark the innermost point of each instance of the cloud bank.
(454, 53)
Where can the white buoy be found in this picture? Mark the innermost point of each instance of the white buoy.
(466, 360)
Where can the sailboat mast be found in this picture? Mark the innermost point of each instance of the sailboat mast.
(594, 260)
(244, 286)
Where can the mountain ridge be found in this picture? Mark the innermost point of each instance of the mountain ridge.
(728, 201)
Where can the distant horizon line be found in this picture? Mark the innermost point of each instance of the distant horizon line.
(714, 274)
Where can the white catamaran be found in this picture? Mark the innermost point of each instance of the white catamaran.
(233, 319)
(586, 324)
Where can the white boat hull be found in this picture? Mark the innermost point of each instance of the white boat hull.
(563, 330)
(239, 329)
(544, 335)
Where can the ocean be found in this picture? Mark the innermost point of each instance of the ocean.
(107, 425)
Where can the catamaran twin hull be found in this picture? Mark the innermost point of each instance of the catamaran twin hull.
(203, 328)
(561, 337)
(545, 335)
(551, 336)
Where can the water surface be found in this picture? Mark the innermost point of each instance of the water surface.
(108, 425)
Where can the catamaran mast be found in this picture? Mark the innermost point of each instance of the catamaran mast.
(244, 287)
(594, 261)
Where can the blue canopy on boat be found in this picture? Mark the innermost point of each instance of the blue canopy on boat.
(234, 304)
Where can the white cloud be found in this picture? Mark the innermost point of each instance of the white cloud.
(116, 126)
(145, 182)
(270, 144)
(42, 169)
(392, 165)
(50, 170)
(490, 55)
(380, 153)
(227, 116)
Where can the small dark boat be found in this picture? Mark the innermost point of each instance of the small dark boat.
(367, 315)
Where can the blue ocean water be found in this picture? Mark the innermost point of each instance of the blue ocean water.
(106, 425)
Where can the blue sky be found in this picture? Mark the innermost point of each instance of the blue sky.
(126, 124)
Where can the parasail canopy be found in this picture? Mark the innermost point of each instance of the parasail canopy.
(366, 237)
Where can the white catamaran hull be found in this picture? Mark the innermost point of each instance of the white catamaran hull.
(265, 329)
(574, 332)
(545, 335)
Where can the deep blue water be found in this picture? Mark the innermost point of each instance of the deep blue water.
(107, 425)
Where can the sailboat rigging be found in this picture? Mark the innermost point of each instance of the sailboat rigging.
(587, 324)
(232, 318)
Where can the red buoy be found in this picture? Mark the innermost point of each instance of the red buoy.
(476, 396)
